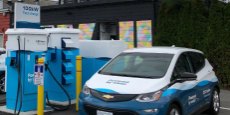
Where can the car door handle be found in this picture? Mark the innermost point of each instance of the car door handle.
(209, 71)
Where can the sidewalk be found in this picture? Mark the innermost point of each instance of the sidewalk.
(70, 111)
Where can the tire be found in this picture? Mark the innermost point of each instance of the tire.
(2, 84)
(173, 110)
(215, 103)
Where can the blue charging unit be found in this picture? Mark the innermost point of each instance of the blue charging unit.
(59, 48)
(30, 51)
(62, 51)
(64, 69)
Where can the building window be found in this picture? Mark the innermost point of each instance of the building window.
(1, 40)
(108, 31)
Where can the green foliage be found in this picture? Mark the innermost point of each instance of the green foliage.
(167, 21)
(224, 54)
(186, 23)
(214, 48)
(184, 27)
(175, 4)
(198, 24)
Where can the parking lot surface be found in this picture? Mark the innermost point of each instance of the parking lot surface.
(224, 98)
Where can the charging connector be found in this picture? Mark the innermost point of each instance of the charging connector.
(12, 61)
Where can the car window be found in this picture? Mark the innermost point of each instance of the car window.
(197, 61)
(181, 66)
(136, 64)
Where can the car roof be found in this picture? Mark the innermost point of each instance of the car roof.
(168, 50)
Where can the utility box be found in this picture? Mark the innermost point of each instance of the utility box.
(33, 44)
(96, 53)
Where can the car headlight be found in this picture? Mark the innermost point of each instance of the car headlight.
(149, 97)
(86, 90)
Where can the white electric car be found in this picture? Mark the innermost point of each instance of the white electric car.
(153, 81)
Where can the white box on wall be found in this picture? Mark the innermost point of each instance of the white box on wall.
(101, 48)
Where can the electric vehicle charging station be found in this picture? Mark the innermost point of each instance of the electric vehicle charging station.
(59, 48)
(96, 53)
(63, 47)
(24, 48)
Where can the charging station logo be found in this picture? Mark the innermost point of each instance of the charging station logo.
(40, 42)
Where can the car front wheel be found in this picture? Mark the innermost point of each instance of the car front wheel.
(173, 110)
(2, 84)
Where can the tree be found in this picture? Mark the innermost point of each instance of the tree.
(214, 48)
(167, 22)
(225, 47)
(184, 27)
(198, 24)
(187, 23)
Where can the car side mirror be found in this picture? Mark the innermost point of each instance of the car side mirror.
(186, 76)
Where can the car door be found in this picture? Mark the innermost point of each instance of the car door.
(186, 94)
(202, 87)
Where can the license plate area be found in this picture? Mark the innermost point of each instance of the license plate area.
(103, 113)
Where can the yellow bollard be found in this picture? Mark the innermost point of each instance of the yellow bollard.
(40, 101)
(78, 79)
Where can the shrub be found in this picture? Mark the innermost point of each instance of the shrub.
(168, 18)
(186, 23)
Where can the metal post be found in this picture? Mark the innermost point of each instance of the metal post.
(78, 79)
(40, 100)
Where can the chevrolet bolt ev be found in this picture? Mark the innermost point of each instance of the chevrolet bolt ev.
(153, 81)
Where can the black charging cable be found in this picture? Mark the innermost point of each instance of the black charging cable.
(19, 88)
(52, 106)
(19, 82)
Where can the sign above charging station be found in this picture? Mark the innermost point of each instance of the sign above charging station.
(26, 16)
(39, 75)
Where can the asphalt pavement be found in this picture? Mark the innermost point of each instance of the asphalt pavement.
(224, 100)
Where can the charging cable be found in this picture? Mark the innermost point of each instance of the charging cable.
(52, 106)
(19, 82)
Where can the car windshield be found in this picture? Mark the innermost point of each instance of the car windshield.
(146, 65)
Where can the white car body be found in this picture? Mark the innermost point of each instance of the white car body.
(192, 94)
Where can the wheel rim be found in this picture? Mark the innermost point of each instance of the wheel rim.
(174, 112)
(2, 84)
(216, 101)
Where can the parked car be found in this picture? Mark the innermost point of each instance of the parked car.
(153, 81)
(2, 70)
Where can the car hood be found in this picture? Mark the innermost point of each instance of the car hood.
(125, 85)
